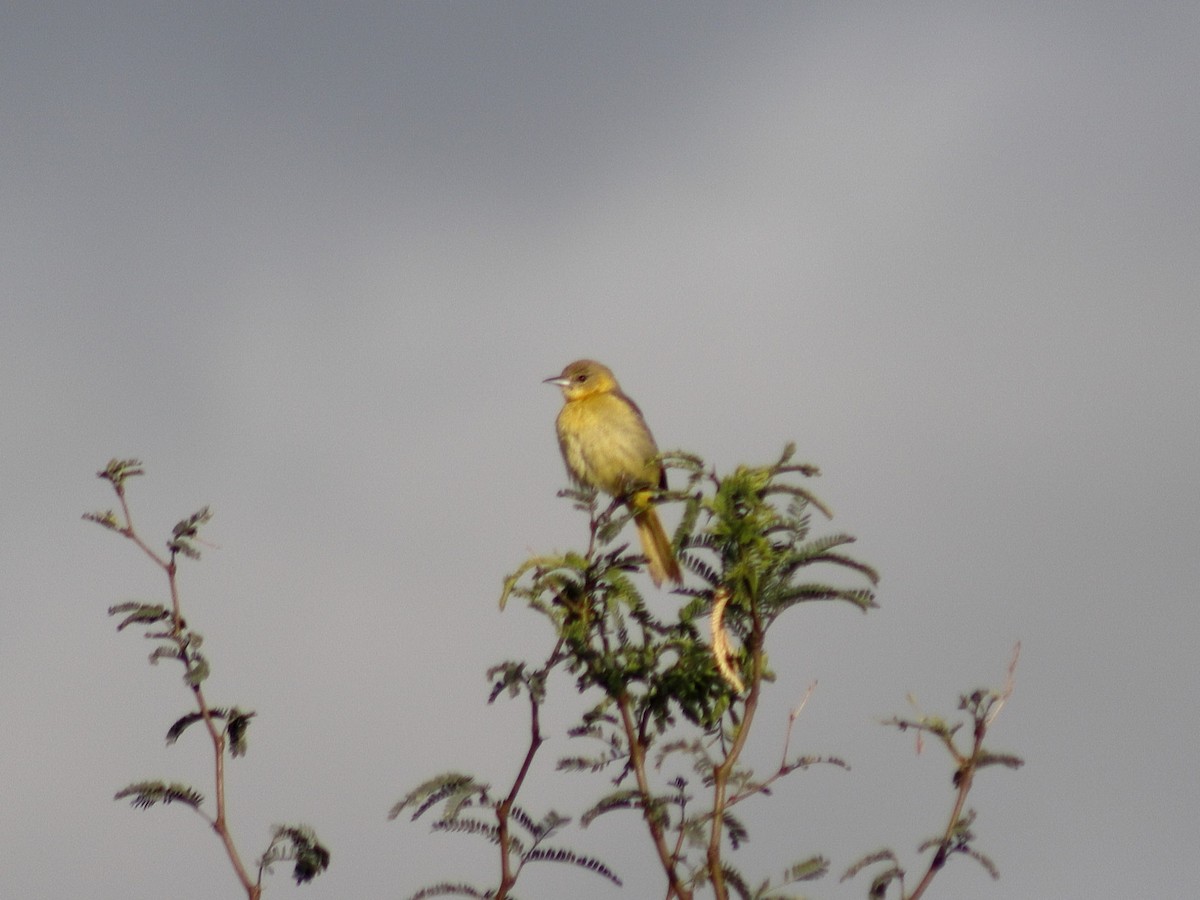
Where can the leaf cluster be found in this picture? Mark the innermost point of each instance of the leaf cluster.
(145, 794)
(174, 640)
(227, 727)
(969, 755)
(297, 844)
(467, 807)
(656, 691)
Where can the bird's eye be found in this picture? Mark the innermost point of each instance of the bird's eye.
(581, 377)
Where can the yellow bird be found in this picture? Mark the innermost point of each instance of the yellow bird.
(606, 445)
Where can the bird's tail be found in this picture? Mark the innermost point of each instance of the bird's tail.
(657, 547)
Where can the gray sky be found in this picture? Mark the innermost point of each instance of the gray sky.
(310, 262)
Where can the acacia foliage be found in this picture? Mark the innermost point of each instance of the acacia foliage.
(670, 691)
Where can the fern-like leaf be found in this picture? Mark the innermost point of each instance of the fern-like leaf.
(145, 794)
(816, 550)
(185, 532)
(869, 860)
(180, 725)
(107, 519)
(804, 762)
(139, 614)
(735, 830)
(449, 889)
(506, 676)
(626, 799)
(237, 722)
(984, 861)
(987, 758)
(808, 870)
(166, 650)
(800, 493)
(437, 789)
(584, 763)
(298, 844)
(735, 880)
(861, 597)
(562, 855)
(197, 670)
(522, 818)
(463, 825)
(880, 883)
(700, 568)
(118, 470)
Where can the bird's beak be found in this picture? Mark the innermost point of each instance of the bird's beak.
(556, 380)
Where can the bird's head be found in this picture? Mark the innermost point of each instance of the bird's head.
(584, 378)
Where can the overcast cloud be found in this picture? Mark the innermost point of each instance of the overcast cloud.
(311, 261)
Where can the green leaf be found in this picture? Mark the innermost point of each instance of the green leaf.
(107, 519)
(166, 650)
(185, 533)
(118, 470)
(237, 723)
(197, 670)
(452, 786)
(808, 870)
(299, 845)
(139, 614)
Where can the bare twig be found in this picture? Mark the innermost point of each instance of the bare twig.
(785, 768)
(1009, 684)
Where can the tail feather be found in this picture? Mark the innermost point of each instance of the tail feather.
(657, 547)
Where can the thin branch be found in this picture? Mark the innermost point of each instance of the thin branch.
(983, 712)
(219, 823)
(785, 768)
(127, 530)
(1009, 684)
(721, 772)
(508, 876)
(966, 778)
(637, 762)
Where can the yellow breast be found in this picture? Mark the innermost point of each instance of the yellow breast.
(606, 445)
